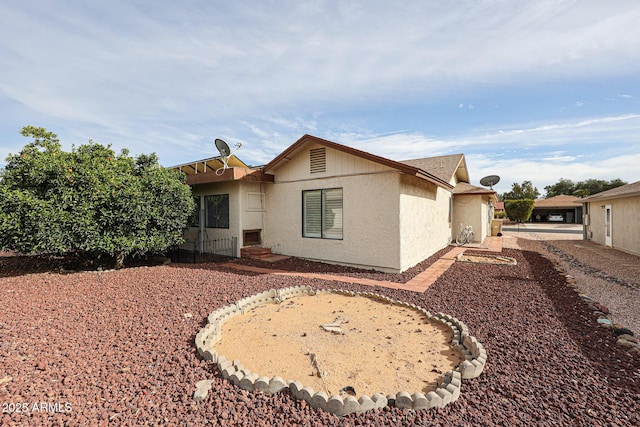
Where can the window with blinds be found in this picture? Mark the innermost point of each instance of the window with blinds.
(318, 160)
(322, 213)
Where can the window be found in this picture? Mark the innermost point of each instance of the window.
(195, 215)
(322, 213)
(217, 211)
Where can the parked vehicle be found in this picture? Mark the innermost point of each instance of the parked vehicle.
(555, 217)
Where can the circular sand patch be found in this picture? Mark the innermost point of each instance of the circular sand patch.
(365, 347)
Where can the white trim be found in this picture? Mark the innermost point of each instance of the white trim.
(608, 227)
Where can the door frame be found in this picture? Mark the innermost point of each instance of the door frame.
(608, 229)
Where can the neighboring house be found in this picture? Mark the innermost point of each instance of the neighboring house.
(329, 202)
(562, 208)
(611, 218)
(499, 210)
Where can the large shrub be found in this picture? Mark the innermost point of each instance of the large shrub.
(519, 210)
(89, 200)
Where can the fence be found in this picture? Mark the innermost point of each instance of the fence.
(213, 250)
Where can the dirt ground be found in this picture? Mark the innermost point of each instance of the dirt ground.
(376, 348)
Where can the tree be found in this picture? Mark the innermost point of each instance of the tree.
(519, 210)
(581, 188)
(89, 200)
(564, 186)
(524, 191)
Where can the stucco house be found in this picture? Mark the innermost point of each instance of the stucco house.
(561, 208)
(326, 201)
(611, 218)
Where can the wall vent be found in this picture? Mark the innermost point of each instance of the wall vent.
(318, 160)
(251, 237)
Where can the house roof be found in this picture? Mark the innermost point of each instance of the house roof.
(561, 201)
(444, 167)
(629, 190)
(297, 146)
(464, 188)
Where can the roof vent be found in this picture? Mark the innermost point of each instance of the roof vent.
(318, 160)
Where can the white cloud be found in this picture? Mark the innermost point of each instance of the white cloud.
(170, 77)
(529, 153)
(98, 63)
(544, 173)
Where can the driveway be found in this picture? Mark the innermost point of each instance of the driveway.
(546, 228)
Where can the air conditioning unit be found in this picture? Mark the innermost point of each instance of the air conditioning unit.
(585, 219)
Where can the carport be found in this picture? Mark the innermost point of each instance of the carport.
(560, 209)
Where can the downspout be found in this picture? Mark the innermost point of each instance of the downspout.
(201, 218)
(585, 226)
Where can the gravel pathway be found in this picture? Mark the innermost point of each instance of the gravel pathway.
(608, 276)
(116, 348)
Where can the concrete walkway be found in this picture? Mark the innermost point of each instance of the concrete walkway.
(419, 283)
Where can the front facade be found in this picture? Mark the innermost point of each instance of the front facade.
(328, 202)
(335, 204)
(611, 218)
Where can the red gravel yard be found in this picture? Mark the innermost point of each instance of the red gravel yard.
(117, 348)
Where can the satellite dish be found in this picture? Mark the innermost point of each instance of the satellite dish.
(225, 153)
(223, 148)
(490, 181)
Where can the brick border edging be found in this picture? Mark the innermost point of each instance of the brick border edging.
(449, 391)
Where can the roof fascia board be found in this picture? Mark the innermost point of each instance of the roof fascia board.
(595, 197)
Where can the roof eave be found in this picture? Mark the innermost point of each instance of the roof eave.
(230, 174)
(597, 197)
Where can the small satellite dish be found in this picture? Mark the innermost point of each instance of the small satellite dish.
(490, 181)
(225, 153)
(223, 147)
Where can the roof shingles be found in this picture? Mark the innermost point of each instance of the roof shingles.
(444, 167)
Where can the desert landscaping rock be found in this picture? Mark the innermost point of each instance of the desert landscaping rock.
(202, 389)
(115, 346)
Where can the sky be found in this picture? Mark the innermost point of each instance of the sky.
(528, 90)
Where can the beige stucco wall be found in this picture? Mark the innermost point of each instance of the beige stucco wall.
(595, 229)
(625, 222)
(467, 209)
(424, 220)
(244, 209)
(369, 240)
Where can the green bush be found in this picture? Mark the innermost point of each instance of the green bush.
(89, 200)
(519, 210)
